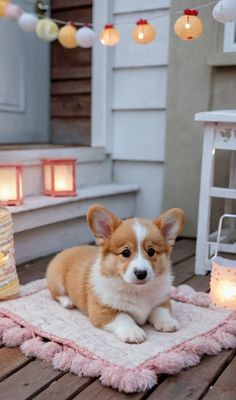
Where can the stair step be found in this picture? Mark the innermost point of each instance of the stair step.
(44, 210)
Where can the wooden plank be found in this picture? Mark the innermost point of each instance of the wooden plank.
(71, 87)
(83, 14)
(199, 283)
(63, 5)
(96, 391)
(28, 381)
(11, 360)
(69, 58)
(82, 72)
(64, 388)
(183, 271)
(71, 106)
(225, 386)
(33, 270)
(183, 249)
(71, 131)
(193, 383)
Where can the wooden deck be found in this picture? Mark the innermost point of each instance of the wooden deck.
(24, 378)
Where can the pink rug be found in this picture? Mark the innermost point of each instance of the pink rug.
(67, 339)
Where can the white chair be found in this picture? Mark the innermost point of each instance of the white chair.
(219, 133)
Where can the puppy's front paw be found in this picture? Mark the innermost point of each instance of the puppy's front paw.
(132, 334)
(167, 325)
(126, 329)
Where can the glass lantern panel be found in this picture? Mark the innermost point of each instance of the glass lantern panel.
(8, 182)
(47, 177)
(63, 178)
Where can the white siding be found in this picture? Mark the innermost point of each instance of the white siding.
(130, 118)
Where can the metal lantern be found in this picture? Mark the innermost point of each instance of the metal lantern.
(189, 26)
(144, 33)
(223, 277)
(11, 191)
(109, 36)
(59, 177)
(9, 283)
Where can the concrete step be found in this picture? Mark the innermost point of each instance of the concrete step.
(43, 225)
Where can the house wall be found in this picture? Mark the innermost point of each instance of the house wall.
(129, 116)
(71, 80)
(200, 77)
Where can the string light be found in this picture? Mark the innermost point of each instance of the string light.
(225, 11)
(144, 33)
(85, 37)
(109, 36)
(189, 26)
(67, 36)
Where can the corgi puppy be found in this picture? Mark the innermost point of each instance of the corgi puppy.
(125, 281)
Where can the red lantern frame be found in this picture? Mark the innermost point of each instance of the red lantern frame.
(53, 163)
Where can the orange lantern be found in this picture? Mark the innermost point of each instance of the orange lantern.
(189, 26)
(3, 6)
(144, 33)
(59, 177)
(223, 277)
(67, 36)
(109, 36)
(11, 192)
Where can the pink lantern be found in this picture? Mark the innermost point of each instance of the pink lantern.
(223, 277)
(13, 11)
(59, 177)
(11, 191)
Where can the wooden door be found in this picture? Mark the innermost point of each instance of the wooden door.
(24, 84)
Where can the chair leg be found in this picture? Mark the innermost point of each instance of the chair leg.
(207, 175)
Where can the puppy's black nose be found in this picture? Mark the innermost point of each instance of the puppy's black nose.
(140, 274)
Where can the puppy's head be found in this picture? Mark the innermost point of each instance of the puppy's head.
(137, 250)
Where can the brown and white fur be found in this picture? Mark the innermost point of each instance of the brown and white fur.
(125, 281)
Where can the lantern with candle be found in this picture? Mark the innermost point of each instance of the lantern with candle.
(59, 177)
(9, 283)
(223, 277)
(11, 191)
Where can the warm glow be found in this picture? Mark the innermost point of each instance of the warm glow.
(223, 283)
(59, 177)
(227, 291)
(109, 36)
(187, 26)
(141, 35)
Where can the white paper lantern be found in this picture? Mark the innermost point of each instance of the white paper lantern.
(85, 37)
(225, 11)
(28, 22)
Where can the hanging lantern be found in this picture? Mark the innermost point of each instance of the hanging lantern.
(47, 30)
(109, 36)
(144, 33)
(59, 177)
(189, 26)
(225, 11)
(28, 22)
(67, 36)
(13, 11)
(85, 37)
(3, 6)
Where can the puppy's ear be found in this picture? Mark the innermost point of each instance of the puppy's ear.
(102, 222)
(171, 223)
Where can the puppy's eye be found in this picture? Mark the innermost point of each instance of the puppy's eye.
(126, 253)
(151, 252)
